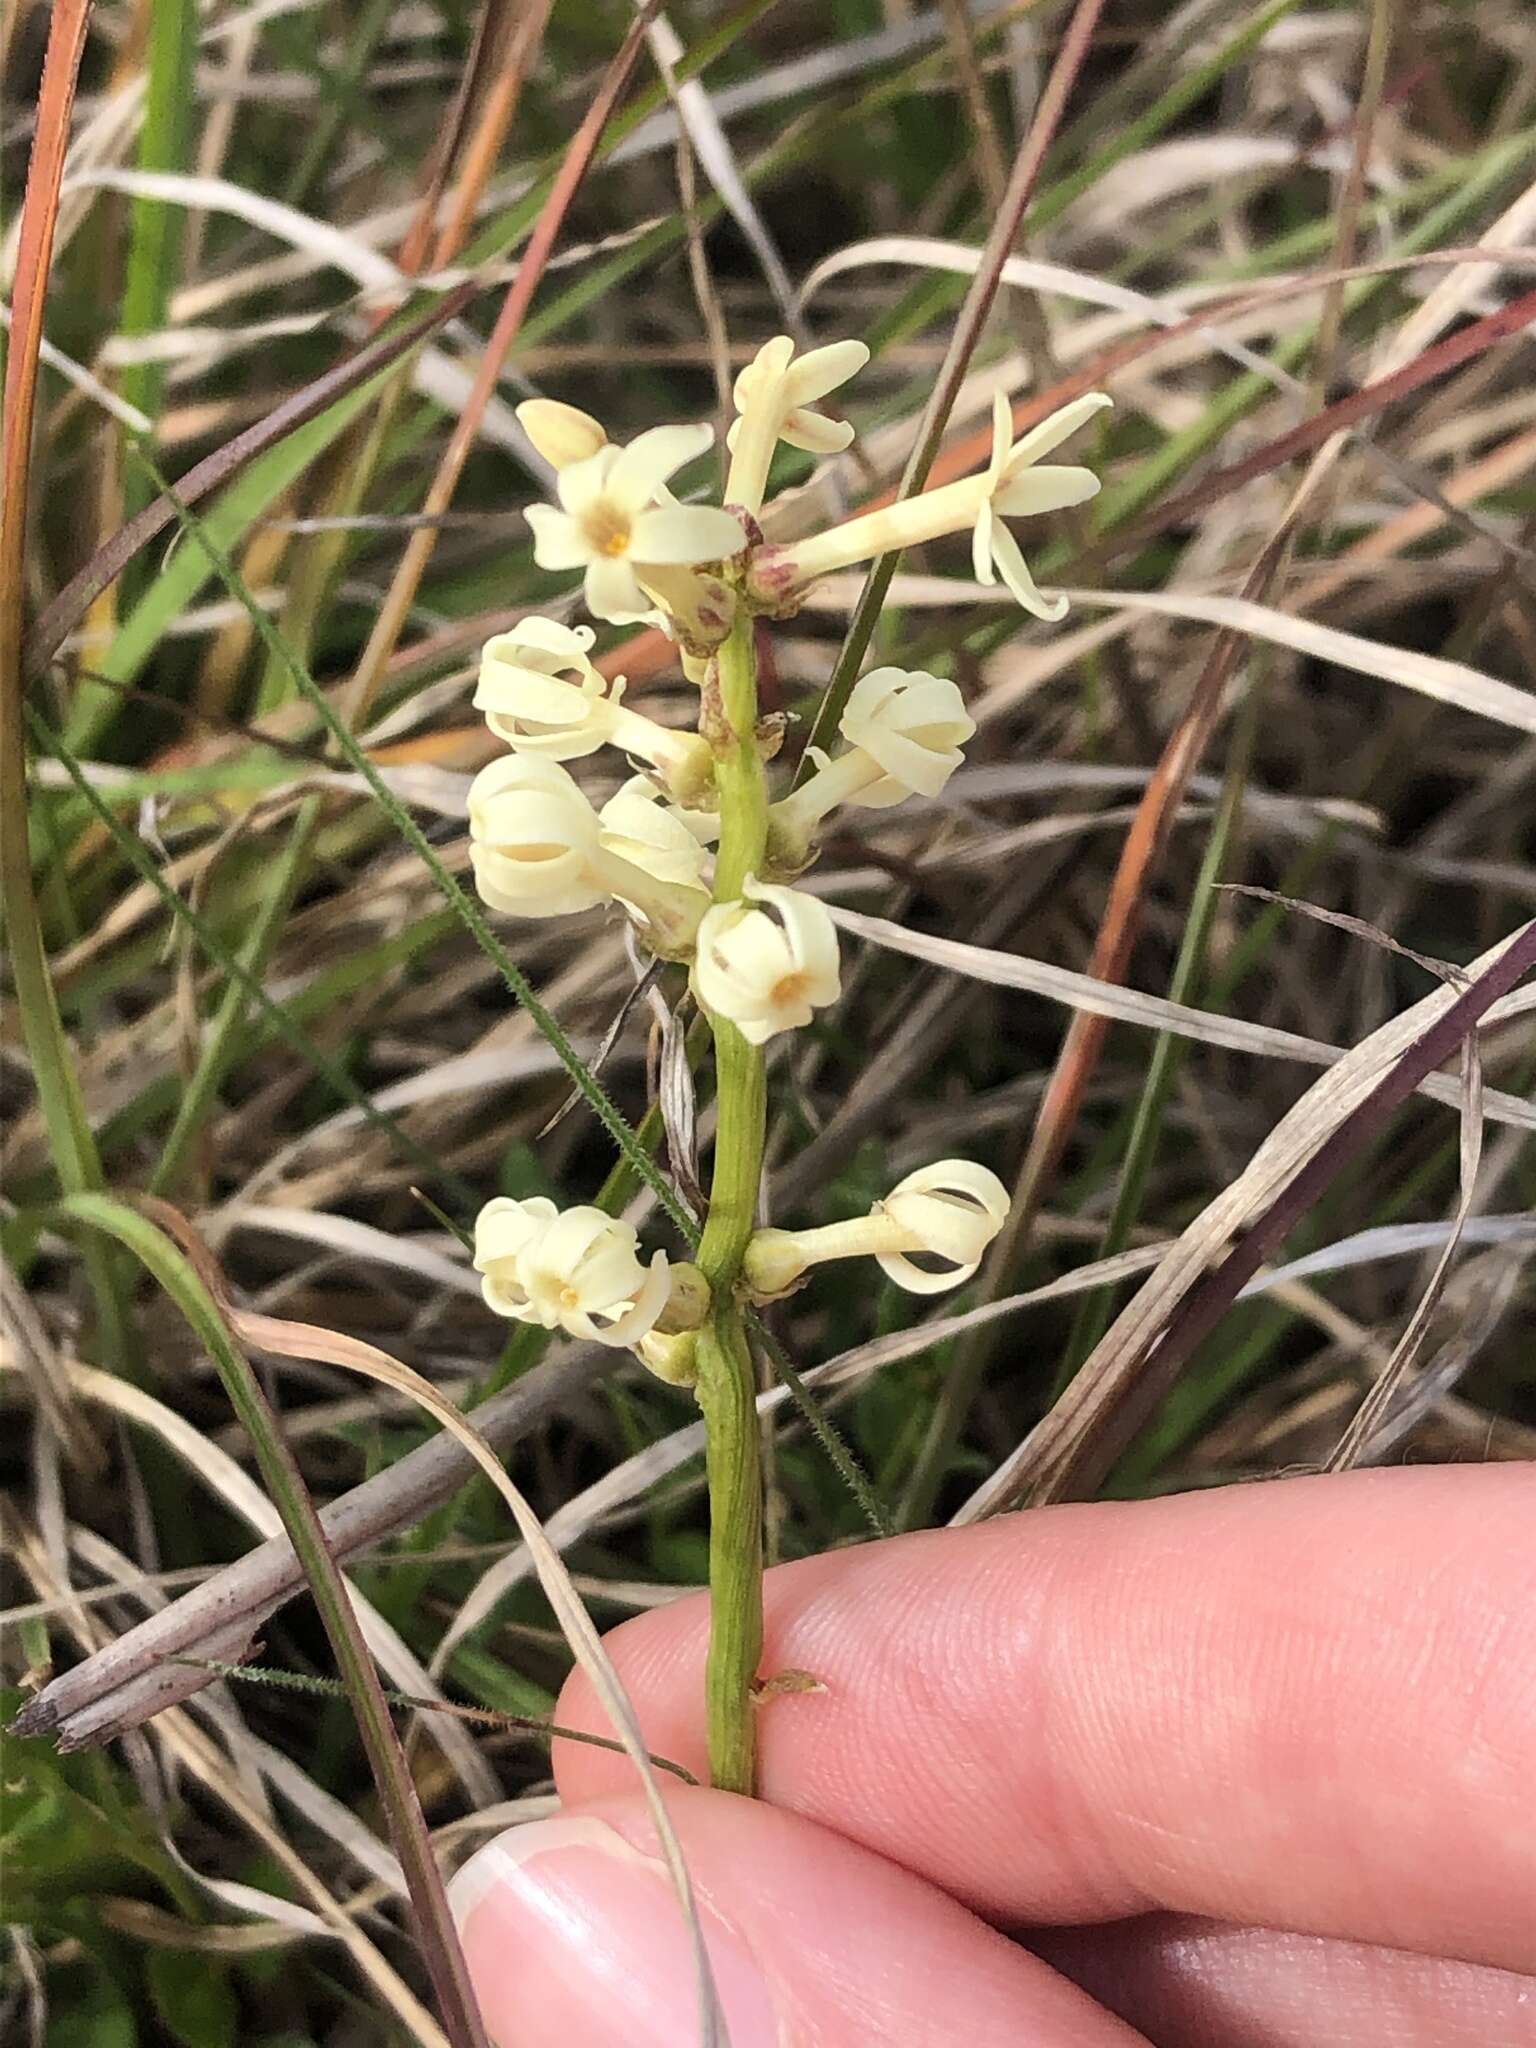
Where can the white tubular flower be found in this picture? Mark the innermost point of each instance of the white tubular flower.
(913, 725)
(905, 729)
(534, 839)
(1014, 485)
(767, 970)
(951, 1210)
(609, 521)
(562, 434)
(640, 826)
(773, 395)
(537, 849)
(542, 695)
(576, 1270)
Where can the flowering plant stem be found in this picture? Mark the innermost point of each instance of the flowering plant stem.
(726, 1391)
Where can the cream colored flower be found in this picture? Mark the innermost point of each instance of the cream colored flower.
(951, 1210)
(577, 1269)
(905, 729)
(538, 850)
(562, 434)
(610, 522)
(773, 395)
(640, 826)
(1014, 485)
(534, 839)
(1020, 488)
(542, 695)
(768, 969)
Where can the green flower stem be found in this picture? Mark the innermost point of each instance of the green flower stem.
(726, 1387)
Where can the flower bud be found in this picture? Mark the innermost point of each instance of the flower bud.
(767, 970)
(562, 434)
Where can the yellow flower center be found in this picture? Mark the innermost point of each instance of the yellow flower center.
(606, 528)
(789, 989)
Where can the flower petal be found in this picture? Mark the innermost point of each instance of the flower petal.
(1052, 431)
(1015, 573)
(1049, 488)
(817, 436)
(562, 434)
(1002, 438)
(580, 482)
(981, 544)
(612, 592)
(823, 369)
(558, 542)
(640, 469)
(684, 534)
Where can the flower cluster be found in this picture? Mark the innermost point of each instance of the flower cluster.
(762, 954)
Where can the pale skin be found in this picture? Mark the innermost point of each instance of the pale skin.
(1239, 1769)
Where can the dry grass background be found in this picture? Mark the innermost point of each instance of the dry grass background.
(1277, 769)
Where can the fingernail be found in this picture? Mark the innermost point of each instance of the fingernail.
(575, 1939)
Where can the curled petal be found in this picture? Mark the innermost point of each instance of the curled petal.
(766, 970)
(815, 434)
(821, 370)
(765, 368)
(533, 838)
(643, 829)
(537, 642)
(1014, 571)
(952, 1210)
(913, 725)
(981, 544)
(809, 931)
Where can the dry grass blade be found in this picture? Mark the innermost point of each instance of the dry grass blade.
(1427, 675)
(219, 1472)
(1375, 1409)
(1103, 999)
(133, 1676)
(1145, 1347)
(165, 1244)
